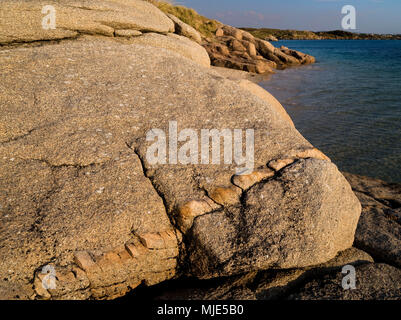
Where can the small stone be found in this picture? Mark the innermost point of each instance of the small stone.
(248, 180)
(152, 240)
(226, 196)
(84, 260)
(135, 250)
(219, 32)
(277, 165)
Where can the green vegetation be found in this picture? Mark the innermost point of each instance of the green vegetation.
(205, 26)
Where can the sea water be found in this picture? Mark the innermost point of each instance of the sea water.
(347, 104)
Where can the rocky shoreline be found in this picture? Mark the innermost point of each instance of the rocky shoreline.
(231, 47)
(237, 49)
(84, 213)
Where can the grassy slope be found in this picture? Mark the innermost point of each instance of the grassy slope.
(207, 27)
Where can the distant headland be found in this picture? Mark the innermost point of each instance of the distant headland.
(278, 34)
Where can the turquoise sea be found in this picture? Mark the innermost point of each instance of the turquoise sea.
(348, 104)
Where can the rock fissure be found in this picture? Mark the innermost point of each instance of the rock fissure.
(181, 255)
(144, 170)
(67, 165)
(41, 42)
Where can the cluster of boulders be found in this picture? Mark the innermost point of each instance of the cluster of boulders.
(238, 49)
(79, 197)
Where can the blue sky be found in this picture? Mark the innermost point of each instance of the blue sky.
(373, 16)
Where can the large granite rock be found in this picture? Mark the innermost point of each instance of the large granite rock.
(176, 43)
(79, 194)
(58, 210)
(21, 21)
(276, 223)
(264, 95)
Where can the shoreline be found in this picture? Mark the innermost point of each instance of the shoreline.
(234, 74)
(303, 93)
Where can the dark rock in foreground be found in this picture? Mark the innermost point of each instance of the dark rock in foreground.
(263, 285)
(374, 281)
(379, 227)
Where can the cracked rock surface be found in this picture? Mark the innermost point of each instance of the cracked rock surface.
(77, 190)
(284, 222)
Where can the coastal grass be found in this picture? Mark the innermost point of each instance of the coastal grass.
(206, 27)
